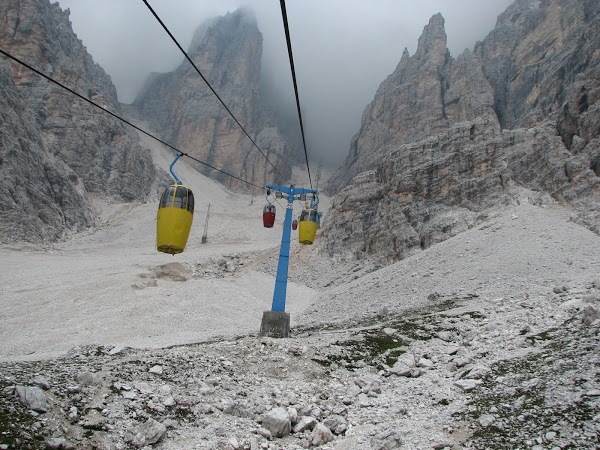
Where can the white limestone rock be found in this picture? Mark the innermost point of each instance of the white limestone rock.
(486, 420)
(277, 422)
(321, 435)
(590, 314)
(150, 432)
(157, 370)
(41, 382)
(336, 423)
(467, 384)
(88, 378)
(478, 372)
(33, 397)
(305, 423)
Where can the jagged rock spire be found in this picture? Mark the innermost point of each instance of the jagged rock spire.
(410, 104)
(178, 104)
(433, 41)
(431, 156)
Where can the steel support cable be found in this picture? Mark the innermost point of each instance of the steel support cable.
(289, 47)
(211, 88)
(124, 120)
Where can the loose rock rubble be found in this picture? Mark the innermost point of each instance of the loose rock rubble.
(463, 373)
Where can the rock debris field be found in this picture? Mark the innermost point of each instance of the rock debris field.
(486, 340)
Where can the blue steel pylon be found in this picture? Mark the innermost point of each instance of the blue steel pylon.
(280, 292)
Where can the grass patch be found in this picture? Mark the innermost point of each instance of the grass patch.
(535, 396)
(372, 346)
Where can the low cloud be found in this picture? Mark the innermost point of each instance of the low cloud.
(343, 49)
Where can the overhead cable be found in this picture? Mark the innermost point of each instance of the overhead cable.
(289, 47)
(124, 120)
(211, 88)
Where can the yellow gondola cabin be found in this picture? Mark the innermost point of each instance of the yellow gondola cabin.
(307, 226)
(174, 219)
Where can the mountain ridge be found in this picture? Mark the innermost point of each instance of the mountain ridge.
(182, 108)
(75, 149)
(433, 152)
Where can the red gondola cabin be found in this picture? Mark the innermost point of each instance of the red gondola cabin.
(269, 216)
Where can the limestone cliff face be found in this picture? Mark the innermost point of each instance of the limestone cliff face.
(71, 147)
(183, 109)
(427, 93)
(445, 141)
(431, 190)
(41, 195)
(534, 55)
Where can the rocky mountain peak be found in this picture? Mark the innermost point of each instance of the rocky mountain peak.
(405, 55)
(409, 105)
(236, 36)
(446, 140)
(242, 15)
(433, 41)
(198, 37)
(181, 107)
(231, 20)
(535, 52)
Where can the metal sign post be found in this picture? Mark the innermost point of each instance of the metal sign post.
(276, 323)
(205, 234)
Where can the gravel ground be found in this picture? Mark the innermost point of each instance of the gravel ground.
(461, 373)
(487, 340)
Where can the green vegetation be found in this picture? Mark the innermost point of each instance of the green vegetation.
(519, 392)
(371, 345)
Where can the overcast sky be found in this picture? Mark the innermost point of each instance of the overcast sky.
(343, 49)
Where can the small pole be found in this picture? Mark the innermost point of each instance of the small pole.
(205, 234)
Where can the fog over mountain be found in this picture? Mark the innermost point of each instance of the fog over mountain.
(343, 49)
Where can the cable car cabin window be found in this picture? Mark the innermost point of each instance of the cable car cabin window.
(309, 215)
(190, 205)
(167, 198)
(180, 198)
